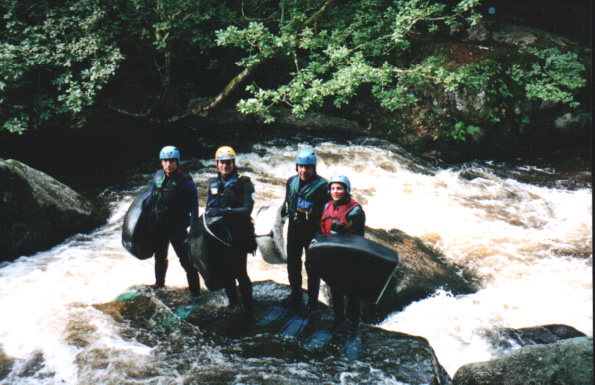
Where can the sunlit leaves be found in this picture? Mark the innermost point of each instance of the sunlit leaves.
(550, 76)
(57, 57)
(53, 61)
(350, 46)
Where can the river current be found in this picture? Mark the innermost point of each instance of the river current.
(523, 230)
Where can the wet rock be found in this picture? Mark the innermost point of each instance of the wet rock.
(477, 33)
(520, 35)
(565, 362)
(515, 35)
(512, 34)
(39, 212)
(409, 359)
(419, 274)
(503, 339)
(6, 364)
(264, 347)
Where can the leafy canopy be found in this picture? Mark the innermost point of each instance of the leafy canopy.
(59, 57)
(351, 44)
(53, 59)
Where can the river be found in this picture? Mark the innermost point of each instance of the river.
(524, 230)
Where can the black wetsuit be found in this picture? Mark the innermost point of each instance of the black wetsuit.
(174, 207)
(304, 202)
(233, 199)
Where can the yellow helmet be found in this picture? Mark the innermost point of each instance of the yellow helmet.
(225, 152)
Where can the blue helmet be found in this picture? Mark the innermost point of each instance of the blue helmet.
(306, 156)
(337, 178)
(169, 152)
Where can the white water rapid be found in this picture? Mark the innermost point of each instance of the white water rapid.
(529, 242)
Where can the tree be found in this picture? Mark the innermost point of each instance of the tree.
(57, 56)
(147, 58)
(54, 58)
(341, 48)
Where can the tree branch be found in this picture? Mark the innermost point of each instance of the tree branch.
(215, 101)
(231, 86)
(318, 14)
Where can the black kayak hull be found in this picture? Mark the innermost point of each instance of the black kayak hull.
(208, 252)
(136, 237)
(356, 266)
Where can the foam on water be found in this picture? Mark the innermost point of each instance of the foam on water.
(530, 247)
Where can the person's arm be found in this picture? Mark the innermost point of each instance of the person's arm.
(285, 207)
(319, 227)
(149, 201)
(191, 200)
(357, 220)
(321, 198)
(245, 210)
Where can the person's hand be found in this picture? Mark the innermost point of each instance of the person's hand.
(217, 212)
(338, 227)
(284, 212)
(214, 212)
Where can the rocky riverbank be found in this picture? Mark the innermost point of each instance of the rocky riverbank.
(540, 355)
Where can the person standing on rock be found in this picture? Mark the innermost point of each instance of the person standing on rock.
(343, 215)
(305, 196)
(231, 196)
(173, 208)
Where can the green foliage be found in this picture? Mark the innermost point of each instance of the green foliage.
(55, 57)
(549, 75)
(349, 46)
(493, 91)
(53, 60)
(59, 57)
(461, 131)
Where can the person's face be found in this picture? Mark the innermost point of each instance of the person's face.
(305, 171)
(169, 165)
(225, 167)
(337, 191)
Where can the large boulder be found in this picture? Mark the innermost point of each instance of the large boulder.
(569, 361)
(39, 212)
(420, 273)
(502, 340)
(375, 356)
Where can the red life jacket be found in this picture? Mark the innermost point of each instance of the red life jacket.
(339, 214)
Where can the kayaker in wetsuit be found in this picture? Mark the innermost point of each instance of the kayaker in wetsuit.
(173, 203)
(343, 215)
(306, 194)
(230, 195)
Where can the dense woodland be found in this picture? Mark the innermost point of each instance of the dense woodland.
(394, 67)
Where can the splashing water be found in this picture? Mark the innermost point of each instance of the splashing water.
(528, 243)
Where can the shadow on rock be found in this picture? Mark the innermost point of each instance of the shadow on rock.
(276, 331)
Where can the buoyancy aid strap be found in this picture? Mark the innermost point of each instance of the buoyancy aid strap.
(217, 187)
(336, 215)
(299, 198)
(160, 179)
(347, 210)
(341, 212)
(306, 190)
